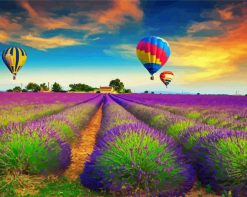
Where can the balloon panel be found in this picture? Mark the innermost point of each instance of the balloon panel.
(14, 58)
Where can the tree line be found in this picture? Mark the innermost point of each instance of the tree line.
(117, 85)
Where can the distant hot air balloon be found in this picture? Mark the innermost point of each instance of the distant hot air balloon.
(14, 58)
(153, 52)
(166, 77)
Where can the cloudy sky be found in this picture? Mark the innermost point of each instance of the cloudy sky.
(93, 41)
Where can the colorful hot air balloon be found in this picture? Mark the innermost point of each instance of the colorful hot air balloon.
(153, 52)
(14, 58)
(166, 77)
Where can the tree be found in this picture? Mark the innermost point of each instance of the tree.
(127, 90)
(56, 87)
(81, 87)
(117, 85)
(33, 87)
(43, 85)
(146, 92)
(9, 90)
(17, 89)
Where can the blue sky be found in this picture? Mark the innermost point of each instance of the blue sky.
(93, 42)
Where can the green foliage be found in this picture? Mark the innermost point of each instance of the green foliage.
(9, 90)
(209, 189)
(27, 153)
(81, 87)
(177, 128)
(193, 138)
(193, 115)
(117, 85)
(140, 162)
(33, 87)
(127, 90)
(65, 131)
(44, 86)
(17, 89)
(156, 120)
(212, 121)
(64, 187)
(56, 87)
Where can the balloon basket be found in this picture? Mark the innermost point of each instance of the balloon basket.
(14, 77)
(152, 77)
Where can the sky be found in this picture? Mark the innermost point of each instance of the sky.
(94, 41)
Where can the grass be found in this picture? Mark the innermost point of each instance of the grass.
(37, 186)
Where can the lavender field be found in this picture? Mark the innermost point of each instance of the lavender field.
(122, 145)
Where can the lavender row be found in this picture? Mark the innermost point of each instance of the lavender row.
(43, 146)
(221, 119)
(21, 113)
(230, 106)
(195, 100)
(130, 158)
(218, 155)
(15, 98)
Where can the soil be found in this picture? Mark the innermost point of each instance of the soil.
(84, 147)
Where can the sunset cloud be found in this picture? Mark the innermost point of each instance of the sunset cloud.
(216, 56)
(208, 25)
(4, 37)
(7, 25)
(48, 43)
(118, 13)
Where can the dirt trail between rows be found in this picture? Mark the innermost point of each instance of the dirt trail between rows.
(84, 147)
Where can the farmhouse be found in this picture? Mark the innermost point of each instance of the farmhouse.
(106, 89)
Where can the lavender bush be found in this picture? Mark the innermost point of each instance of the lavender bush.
(134, 159)
(221, 161)
(32, 149)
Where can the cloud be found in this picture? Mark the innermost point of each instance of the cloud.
(217, 56)
(124, 50)
(41, 17)
(118, 14)
(226, 14)
(7, 25)
(207, 25)
(4, 37)
(48, 43)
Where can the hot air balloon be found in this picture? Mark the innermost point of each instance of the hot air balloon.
(166, 77)
(14, 58)
(153, 52)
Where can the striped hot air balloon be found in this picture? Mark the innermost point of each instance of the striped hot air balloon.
(153, 52)
(166, 77)
(14, 58)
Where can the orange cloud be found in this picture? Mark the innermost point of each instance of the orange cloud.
(43, 21)
(226, 14)
(215, 57)
(208, 25)
(116, 15)
(8, 25)
(47, 43)
(4, 37)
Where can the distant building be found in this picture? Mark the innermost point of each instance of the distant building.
(106, 89)
(45, 90)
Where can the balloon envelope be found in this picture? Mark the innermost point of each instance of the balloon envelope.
(14, 58)
(166, 77)
(153, 52)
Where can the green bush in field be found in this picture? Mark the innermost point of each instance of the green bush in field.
(193, 115)
(30, 149)
(177, 128)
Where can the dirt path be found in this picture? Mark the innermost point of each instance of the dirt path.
(84, 147)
